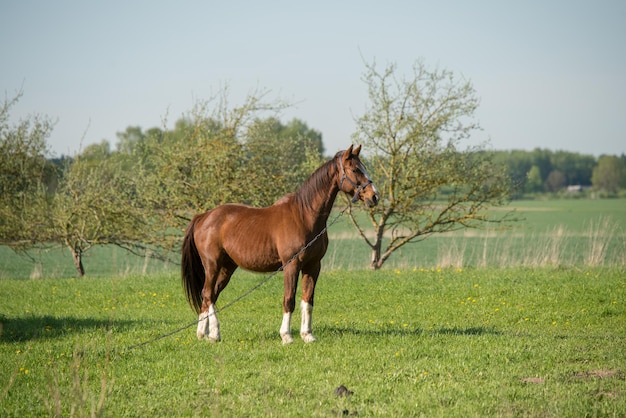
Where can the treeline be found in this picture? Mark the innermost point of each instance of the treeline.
(546, 171)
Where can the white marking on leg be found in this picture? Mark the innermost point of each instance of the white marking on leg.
(214, 325)
(203, 325)
(305, 328)
(285, 329)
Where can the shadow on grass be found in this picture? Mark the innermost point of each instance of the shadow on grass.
(471, 331)
(408, 332)
(48, 327)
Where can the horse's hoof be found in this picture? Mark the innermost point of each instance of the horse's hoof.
(287, 339)
(204, 337)
(308, 338)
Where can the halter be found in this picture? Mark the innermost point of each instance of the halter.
(358, 188)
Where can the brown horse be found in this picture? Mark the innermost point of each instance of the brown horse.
(264, 239)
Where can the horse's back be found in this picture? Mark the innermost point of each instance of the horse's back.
(249, 236)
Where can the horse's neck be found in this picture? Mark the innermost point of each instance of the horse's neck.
(326, 204)
(319, 197)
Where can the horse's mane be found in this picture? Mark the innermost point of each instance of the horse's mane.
(320, 178)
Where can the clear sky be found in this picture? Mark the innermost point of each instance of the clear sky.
(550, 74)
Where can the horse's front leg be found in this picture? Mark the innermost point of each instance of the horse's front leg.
(309, 279)
(290, 272)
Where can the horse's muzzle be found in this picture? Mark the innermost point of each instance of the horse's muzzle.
(370, 202)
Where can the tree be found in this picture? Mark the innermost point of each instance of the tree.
(610, 174)
(576, 168)
(299, 129)
(85, 206)
(194, 168)
(412, 130)
(279, 157)
(518, 164)
(129, 139)
(97, 202)
(533, 181)
(24, 172)
(556, 181)
(542, 159)
(88, 200)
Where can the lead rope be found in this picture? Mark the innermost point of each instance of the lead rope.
(248, 292)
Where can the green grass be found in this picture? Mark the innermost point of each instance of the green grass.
(429, 342)
(530, 328)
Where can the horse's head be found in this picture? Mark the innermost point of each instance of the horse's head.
(354, 179)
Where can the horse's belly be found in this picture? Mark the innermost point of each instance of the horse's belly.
(257, 263)
(254, 255)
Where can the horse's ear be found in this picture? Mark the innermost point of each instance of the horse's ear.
(347, 153)
(356, 150)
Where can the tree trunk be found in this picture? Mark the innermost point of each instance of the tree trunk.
(375, 262)
(375, 258)
(77, 255)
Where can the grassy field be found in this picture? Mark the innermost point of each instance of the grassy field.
(529, 321)
(553, 232)
(415, 342)
(548, 233)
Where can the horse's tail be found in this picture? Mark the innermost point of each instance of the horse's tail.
(192, 270)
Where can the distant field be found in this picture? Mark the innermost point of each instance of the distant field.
(411, 342)
(552, 232)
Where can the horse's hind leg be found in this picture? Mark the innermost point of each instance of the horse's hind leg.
(291, 272)
(223, 278)
(309, 279)
(208, 324)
